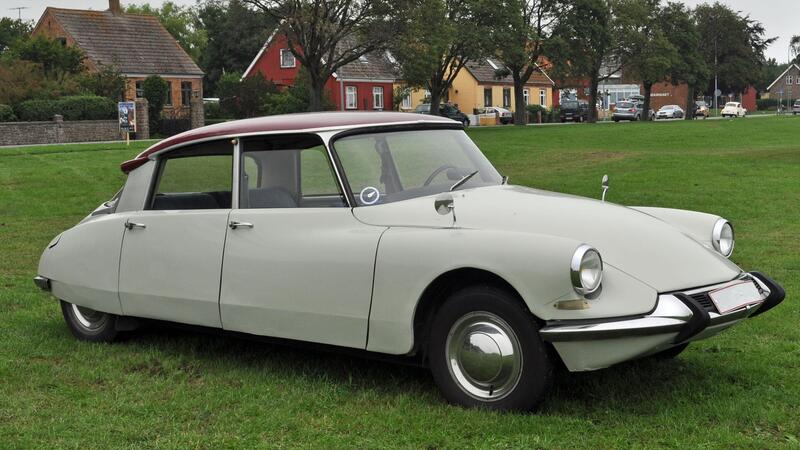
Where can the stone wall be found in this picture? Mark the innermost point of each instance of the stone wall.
(57, 131)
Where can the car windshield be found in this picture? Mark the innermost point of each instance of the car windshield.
(700, 104)
(732, 105)
(386, 167)
(570, 104)
(667, 108)
(625, 105)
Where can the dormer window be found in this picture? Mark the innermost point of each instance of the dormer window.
(287, 59)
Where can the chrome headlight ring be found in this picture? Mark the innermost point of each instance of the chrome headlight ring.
(722, 238)
(586, 270)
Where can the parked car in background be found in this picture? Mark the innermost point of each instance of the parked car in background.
(420, 250)
(700, 109)
(733, 109)
(574, 110)
(796, 108)
(445, 110)
(670, 112)
(505, 116)
(628, 110)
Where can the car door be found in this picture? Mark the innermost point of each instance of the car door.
(172, 251)
(297, 264)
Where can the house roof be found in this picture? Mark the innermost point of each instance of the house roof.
(303, 122)
(371, 66)
(485, 71)
(780, 77)
(136, 44)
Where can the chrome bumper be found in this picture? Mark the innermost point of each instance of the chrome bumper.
(41, 282)
(677, 318)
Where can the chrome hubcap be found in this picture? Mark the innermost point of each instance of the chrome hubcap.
(88, 318)
(484, 356)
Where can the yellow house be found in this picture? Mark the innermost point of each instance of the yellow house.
(477, 86)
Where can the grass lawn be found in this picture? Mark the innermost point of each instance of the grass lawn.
(173, 389)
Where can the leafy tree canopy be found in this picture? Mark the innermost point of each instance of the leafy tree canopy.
(12, 30)
(55, 58)
(180, 21)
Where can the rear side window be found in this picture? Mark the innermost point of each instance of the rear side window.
(199, 177)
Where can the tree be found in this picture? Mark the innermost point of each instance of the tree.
(679, 26)
(794, 45)
(585, 40)
(180, 21)
(234, 33)
(732, 45)
(324, 35)
(11, 31)
(155, 91)
(56, 59)
(440, 37)
(107, 81)
(523, 37)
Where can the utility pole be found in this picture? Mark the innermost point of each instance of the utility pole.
(19, 11)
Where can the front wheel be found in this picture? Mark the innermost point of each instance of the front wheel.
(88, 324)
(485, 351)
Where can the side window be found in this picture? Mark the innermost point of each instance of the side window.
(288, 172)
(199, 177)
(359, 155)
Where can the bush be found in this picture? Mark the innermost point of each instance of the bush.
(534, 110)
(155, 91)
(7, 114)
(766, 103)
(76, 107)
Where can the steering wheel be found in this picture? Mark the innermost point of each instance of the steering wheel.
(438, 170)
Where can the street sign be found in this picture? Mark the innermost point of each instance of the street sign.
(717, 93)
(127, 117)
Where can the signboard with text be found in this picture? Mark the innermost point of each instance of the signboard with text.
(127, 117)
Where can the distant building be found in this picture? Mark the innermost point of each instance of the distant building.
(364, 84)
(138, 45)
(787, 86)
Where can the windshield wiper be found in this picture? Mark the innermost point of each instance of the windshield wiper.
(463, 180)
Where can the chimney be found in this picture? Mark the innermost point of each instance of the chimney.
(115, 7)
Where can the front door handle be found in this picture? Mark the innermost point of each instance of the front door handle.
(131, 225)
(234, 225)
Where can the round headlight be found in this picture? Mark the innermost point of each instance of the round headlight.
(722, 237)
(586, 270)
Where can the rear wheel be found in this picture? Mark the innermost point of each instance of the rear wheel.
(485, 351)
(88, 324)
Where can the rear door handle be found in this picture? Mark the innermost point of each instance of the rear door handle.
(234, 225)
(131, 225)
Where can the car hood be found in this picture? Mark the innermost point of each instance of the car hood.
(643, 246)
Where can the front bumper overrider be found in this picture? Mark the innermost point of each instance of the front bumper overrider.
(677, 318)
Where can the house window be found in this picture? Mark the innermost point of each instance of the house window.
(526, 96)
(789, 79)
(351, 102)
(487, 96)
(377, 97)
(542, 97)
(407, 101)
(506, 97)
(287, 58)
(169, 94)
(139, 89)
(186, 92)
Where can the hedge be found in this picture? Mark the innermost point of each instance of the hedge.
(766, 103)
(7, 114)
(76, 107)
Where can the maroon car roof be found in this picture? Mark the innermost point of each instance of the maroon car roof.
(286, 122)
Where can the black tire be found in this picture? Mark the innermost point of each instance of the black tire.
(616, 120)
(524, 382)
(89, 325)
(672, 352)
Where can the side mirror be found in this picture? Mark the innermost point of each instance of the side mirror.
(444, 204)
(604, 185)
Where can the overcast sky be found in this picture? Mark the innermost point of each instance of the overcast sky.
(781, 18)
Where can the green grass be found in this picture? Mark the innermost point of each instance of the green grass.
(172, 389)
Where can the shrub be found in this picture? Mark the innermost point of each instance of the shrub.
(155, 91)
(533, 110)
(7, 114)
(76, 107)
(766, 103)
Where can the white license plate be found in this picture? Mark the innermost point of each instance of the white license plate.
(735, 296)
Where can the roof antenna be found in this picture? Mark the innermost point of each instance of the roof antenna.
(19, 11)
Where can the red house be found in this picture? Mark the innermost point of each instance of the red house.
(364, 84)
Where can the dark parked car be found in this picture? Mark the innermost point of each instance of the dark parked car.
(445, 110)
(576, 110)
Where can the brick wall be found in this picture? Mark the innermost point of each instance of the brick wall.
(58, 132)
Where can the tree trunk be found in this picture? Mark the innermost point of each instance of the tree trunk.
(436, 98)
(520, 109)
(316, 89)
(648, 90)
(593, 87)
(689, 103)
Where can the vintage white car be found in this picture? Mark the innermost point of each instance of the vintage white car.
(391, 233)
(733, 109)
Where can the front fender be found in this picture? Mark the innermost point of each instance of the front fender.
(535, 265)
(696, 225)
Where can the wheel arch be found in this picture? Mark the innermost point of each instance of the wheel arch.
(438, 290)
